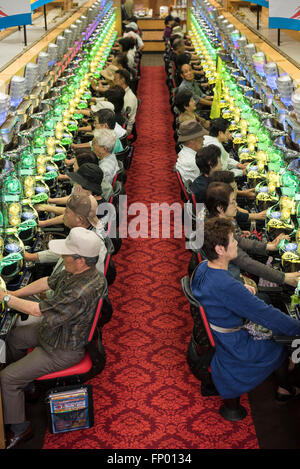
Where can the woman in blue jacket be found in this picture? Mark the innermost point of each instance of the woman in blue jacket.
(240, 362)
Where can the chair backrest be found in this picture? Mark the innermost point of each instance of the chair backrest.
(181, 184)
(97, 315)
(124, 141)
(186, 287)
(123, 155)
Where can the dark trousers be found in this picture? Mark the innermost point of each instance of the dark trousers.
(23, 368)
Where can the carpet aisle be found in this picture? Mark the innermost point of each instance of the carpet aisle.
(146, 396)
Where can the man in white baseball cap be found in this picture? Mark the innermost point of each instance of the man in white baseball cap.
(60, 338)
(80, 243)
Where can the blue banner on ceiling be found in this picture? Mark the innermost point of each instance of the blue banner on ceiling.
(14, 13)
(284, 14)
(15, 20)
(263, 3)
(39, 3)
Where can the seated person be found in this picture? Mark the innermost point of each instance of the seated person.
(242, 215)
(60, 338)
(220, 202)
(120, 61)
(182, 56)
(208, 160)
(80, 211)
(108, 74)
(95, 184)
(127, 45)
(131, 30)
(122, 79)
(186, 105)
(169, 21)
(218, 134)
(115, 95)
(104, 119)
(240, 363)
(190, 133)
(189, 83)
(103, 144)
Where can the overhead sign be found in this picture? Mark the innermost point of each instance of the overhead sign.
(263, 3)
(14, 13)
(284, 14)
(39, 3)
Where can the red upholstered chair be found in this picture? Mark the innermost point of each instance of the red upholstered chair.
(93, 361)
(200, 353)
(109, 266)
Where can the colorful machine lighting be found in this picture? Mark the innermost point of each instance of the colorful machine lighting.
(13, 214)
(264, 197)
(27, 163)
(4, 107)
(273, 179)
(28, 227)
(12, 261)
(41, 165)
(17, 91)
(29, 187)
(235, 35)
(285, 88)
(289, 184)
(287, 207)
(271, 74)
(259, 61)
(261, 159)
(296, 103)
(11, 189)
(254, 175)
(41, 191)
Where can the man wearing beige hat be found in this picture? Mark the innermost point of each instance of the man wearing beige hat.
(190, 134)
(108, 74)
(60, 338)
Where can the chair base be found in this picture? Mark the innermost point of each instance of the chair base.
(232, 410)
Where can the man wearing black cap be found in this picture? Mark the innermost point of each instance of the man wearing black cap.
(81, 210)
(190, 133)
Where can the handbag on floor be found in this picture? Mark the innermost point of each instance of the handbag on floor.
(70, 408)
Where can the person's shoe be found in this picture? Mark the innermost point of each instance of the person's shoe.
(283, 398)
(13, 441)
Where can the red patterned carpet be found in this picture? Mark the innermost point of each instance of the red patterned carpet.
(146, 396)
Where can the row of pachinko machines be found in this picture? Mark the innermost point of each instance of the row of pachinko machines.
(40, 116)
(262, 104)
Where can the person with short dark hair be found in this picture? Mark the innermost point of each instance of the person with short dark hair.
(185, 103)
(220, 202)
(208, 160)
(219, 133)
(240, 362)
(115, 95)
(131, 30)
(169, 21)
(242, 216)
(122, 79)
(189, 83)
(121, 61)
(128, 46)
